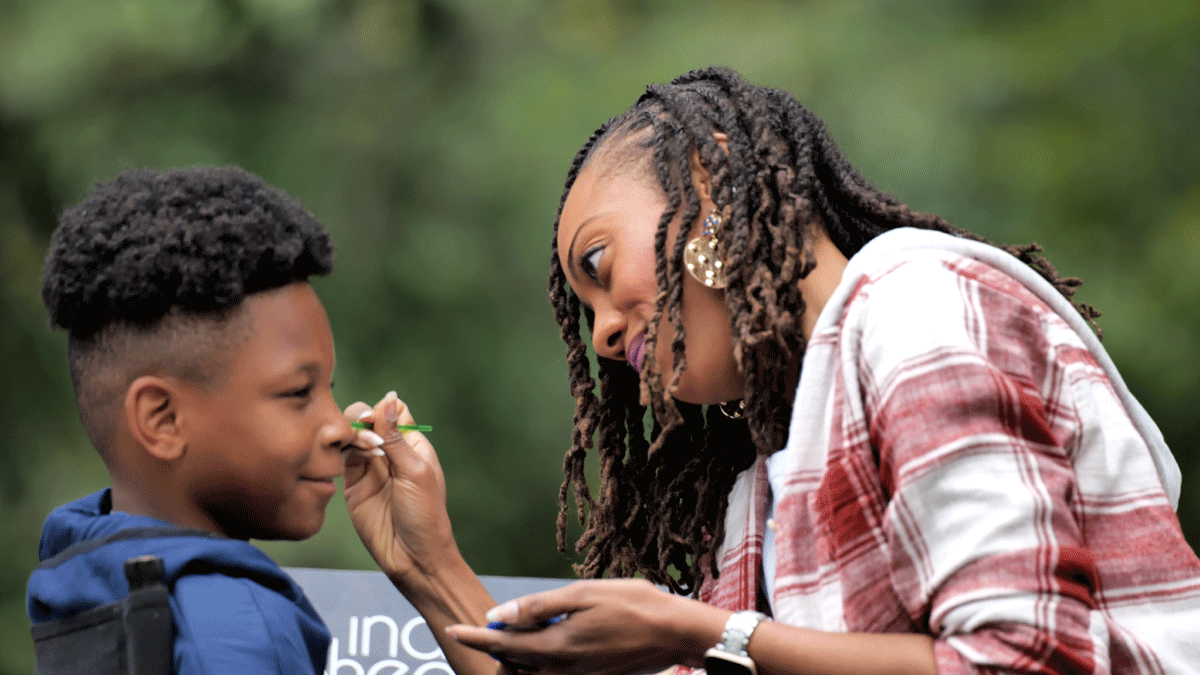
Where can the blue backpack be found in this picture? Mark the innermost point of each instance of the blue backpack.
(133, 636)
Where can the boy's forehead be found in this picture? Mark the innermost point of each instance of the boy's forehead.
(269, 332)
(289, 318)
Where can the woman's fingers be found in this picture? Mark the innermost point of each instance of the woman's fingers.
(407, 455)
(522, 649)
(386, 413)
(360, 465)
(354, 412)
(522, 617)
(367, 444)
(610, 626)
(483, 639)
(530, 610)
(537, 608)
(366, 441)
(408, 451)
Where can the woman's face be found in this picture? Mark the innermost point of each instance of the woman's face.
(606, 247)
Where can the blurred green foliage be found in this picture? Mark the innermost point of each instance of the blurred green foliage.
(432, 137)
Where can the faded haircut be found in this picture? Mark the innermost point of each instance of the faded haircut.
(146, 275)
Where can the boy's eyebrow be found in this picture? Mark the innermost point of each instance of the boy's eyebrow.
(310, 368)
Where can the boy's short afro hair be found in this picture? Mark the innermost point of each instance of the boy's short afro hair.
(195, 240)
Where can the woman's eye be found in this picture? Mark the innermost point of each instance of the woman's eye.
(591, 263)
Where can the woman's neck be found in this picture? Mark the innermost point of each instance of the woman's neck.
(816, 289)
(818, 286)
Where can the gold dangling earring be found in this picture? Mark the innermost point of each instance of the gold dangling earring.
(734, 410)
(700, 256)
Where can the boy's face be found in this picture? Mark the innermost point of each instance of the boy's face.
(264, 441)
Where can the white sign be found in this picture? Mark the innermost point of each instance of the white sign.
(375, 630)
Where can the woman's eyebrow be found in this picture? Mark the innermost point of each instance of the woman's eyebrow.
(572, 259)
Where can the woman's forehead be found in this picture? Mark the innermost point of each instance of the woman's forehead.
(599, 190)
(581, 204)
(618, 172)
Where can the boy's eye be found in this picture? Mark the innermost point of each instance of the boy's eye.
(591, 262)
(302, 392)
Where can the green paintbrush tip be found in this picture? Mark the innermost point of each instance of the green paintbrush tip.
(401, 427)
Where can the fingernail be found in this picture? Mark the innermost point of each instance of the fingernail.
(506, 613)
(370, 437)
(392, 394)
(378, 452)
(365, 414)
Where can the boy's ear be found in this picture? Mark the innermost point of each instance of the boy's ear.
(152, 413)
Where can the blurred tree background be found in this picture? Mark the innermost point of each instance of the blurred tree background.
(432, 138)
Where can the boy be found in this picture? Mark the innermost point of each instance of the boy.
(202, 362)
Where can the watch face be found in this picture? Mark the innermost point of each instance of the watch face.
(717, 662)
(723, 667)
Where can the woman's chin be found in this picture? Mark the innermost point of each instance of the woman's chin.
(704, 396)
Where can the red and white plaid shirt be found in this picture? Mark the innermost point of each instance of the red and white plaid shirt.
(965, 462)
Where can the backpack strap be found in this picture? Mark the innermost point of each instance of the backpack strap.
(89, 545)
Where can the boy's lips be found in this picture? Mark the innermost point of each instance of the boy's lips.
(323, 485)
(633, 353)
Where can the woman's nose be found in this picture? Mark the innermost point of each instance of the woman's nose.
(606, 338)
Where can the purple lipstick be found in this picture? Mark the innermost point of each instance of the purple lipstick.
(633, 353)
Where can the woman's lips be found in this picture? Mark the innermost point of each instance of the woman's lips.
(633, 353)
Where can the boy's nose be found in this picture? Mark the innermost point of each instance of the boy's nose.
(336, 432)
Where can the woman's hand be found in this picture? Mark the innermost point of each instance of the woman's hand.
(619, 627)
(397, 501)
(612, 627)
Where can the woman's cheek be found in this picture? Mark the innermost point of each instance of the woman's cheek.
(665, 360)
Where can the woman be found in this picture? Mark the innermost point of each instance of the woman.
(902, 443)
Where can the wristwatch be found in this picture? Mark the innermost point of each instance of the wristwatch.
(729, 657)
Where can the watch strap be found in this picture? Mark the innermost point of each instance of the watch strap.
(738, 630)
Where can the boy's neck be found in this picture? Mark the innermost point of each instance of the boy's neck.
(135, 502)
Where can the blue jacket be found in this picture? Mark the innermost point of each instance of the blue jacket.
(235, 610)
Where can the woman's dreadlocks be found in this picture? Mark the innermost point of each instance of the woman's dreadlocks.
(661, 503)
